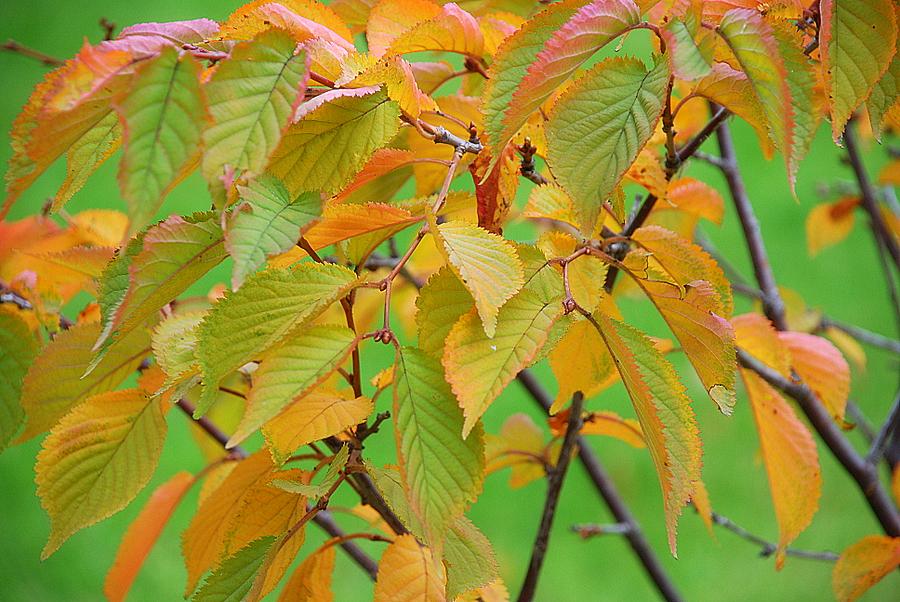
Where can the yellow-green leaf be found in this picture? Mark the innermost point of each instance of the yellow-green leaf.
(18, 348)
(442, 472)
(441, 302)
(233, 579)
(97, 459)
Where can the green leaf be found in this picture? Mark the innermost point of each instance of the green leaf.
(290, 371)
(753, 42)
(231, 581)
(885, 95)
(442, 473)
(88, 153)
(267, 223)
(664, 411)
(174, 341)
(688, 61)
(173, 255)
(18, 348)
(857, 41)
(333, 137)
(511, 61)
(97, 459)
(252, 96)
(470, 558)
(599, 125)
(485, 262)
(268, 307)
(56, 381)
(317, 490)
(163, 115)
(441, 302)
(479, 368)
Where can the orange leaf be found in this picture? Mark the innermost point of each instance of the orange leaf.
(142, 535)
(864, 564)
(496, 189)
(829, 223)
(792, 462)
(311, 582)
(409, 572)
(822, 368)
(755, 334)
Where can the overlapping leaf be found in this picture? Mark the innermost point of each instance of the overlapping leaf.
(252, 97)
(442, 473)
(97, 459)
(269, 305)
(885, 97)
(486, 264)
(18, 347)
(581, 362)
(408, 572)
(333, 137)
(440, 304)
(268, 222)
(822, 368)
(290, 370)
(233, 580)
(599, 125)
(311, 582)
(864, 564)
(163, 116)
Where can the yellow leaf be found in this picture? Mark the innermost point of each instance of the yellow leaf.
(792, 462)
(319, 414)
(311, 582)
(864, 564)
(848, 346)
(142, 534)
(581, 362)
(520, 445)
(755, 334)
(829, 223)
(304, 19)
(586, 274)
(343, 221)
(486, 263)
(409, 572)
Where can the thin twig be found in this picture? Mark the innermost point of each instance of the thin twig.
(554, 486)
(605, 487)
(863, 336)
(881, 439)
(862, 472)
(31, 53)
(768, 548)
(593, 530)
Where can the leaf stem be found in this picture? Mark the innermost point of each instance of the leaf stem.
(14, 46)
(554, 486)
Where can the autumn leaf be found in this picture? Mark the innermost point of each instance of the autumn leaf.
(830, 223)
(311, 581)
(234, 578)
(408, 572)
(857, 42)
(864, 564)
(18, 348)
(97, 459)
(598, 126)
(440, 304)
(822, 368)
(142, 534)
(581, 362)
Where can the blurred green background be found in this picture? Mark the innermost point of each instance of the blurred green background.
(844, 281)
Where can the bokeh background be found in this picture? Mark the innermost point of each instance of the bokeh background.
(844, 281)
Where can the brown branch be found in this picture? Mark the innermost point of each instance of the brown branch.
(322, 519)
(554, 486)
(611, 497)
(879, 443)
(865, 475)
(869, 202)
(31, 53)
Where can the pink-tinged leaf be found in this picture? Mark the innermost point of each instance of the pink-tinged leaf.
(792, 462)
(752, 40)
(389, 19)
(510, 65)
(587, 31)
(857, 40)
(383, 162)
(303, 19)
(495, 187)
(147, 39)
(688, 61)
(732, 89)
(822, 367)
(164, 116)
(451, 30)
(864, 564)
(397, 76)
(142, 534)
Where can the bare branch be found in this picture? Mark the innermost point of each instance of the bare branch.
(48, 60)
(554, 486)
(612, 498)
(880, 442)
(768, 548)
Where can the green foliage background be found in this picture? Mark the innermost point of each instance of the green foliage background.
(845, 281)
